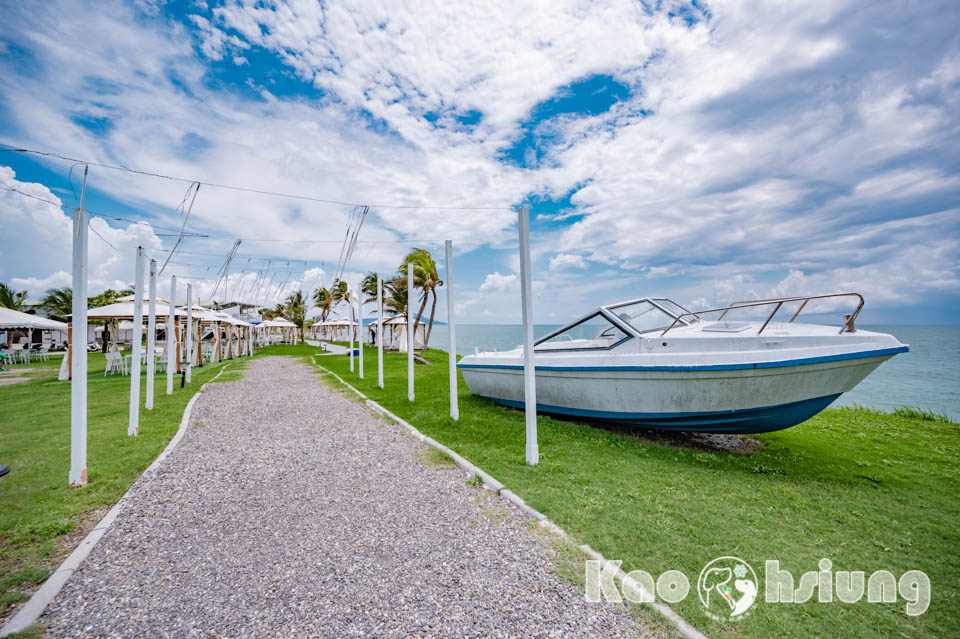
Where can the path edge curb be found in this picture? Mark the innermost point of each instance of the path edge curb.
(492, 484)
(35, 606)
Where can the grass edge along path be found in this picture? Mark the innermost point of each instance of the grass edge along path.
(866, 489)
(42, 519)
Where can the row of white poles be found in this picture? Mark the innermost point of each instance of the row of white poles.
(78, 345)
(532, 451)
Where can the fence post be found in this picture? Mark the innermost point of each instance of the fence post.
(189, 331)
(151, 334)
(133, 425)
(529, 370)
(78, 347)
(410, 329)
(452, 331)
(379, 332)
(171, 353)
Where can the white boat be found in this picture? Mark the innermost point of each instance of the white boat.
(652, 363)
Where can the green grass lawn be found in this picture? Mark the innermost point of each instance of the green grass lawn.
(868, 490)
(38, 510)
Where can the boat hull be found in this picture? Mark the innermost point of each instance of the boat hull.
(752, 400)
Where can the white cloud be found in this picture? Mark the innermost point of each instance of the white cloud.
(773, 137)
(497, 282)
(566, 261)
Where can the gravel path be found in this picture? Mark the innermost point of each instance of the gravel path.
(290, 510)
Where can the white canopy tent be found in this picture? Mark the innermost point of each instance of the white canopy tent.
(395, 334)
(11, 319)
(15, 320)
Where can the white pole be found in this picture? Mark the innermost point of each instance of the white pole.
(529, 372)
(451, 328)
(379, 332)
(189, 330)
(350, 334)
(361, 335)
(133, 426)
(410, 340)
(171, 352)
(151, 333)
(78, 347)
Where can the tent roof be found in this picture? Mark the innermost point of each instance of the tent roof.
(10, 318)
(285, 323)
(124, 310)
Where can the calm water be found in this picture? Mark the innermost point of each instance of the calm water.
(926, 377)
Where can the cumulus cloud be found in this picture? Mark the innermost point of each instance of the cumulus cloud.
(757, 139)
(565, 261)
(497, 282)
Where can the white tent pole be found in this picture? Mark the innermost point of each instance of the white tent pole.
(189, 331)
(529, 372)
(379, 332)
(133, 426)
(151, 333)
(410, 340)
(78, 347)
(171, 353)
(452, 330)
(362, 336)
(350, 332)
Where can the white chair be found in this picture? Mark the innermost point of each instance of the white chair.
(43, 354)
(114, 363)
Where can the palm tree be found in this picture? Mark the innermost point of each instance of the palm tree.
(267, 313)
(340, 292)
(324, 301)
(368, 286)
(427, 279)
(58, 302)
(396, 295)
(296, 310)
(10, 298)
(279, 310)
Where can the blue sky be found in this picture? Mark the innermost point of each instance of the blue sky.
(706, 151)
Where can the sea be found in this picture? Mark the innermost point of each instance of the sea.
(927, 377)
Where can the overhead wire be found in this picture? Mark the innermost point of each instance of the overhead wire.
(113, 167)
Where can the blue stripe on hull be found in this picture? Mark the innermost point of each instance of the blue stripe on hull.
(749, 420)
(707, 367)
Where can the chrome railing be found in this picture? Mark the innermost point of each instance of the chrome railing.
(779, 301)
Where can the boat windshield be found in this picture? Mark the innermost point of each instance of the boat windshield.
(675, 308)
(644, 316)
(595, 332)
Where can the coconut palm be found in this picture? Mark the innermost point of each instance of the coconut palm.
(58, 302)
(279, 310)
(368, 286)
(323, 300)
(427, 279)
(395, 292)
(340, 292)
(10, 298)
(296, 310)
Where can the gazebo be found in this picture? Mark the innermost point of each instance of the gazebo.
(395, 334)
(280, 330)
(15, 320)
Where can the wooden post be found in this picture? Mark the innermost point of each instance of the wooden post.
(350, 335)
(216, 327)
(529, 370)
(176, 330)
(451, 329)
(78, 347)
(133, 424)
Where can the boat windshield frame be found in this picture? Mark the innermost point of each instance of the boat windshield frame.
(676, 317)
(625, 328)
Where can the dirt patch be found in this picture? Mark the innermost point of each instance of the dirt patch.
(713, 442)
(10, 381)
